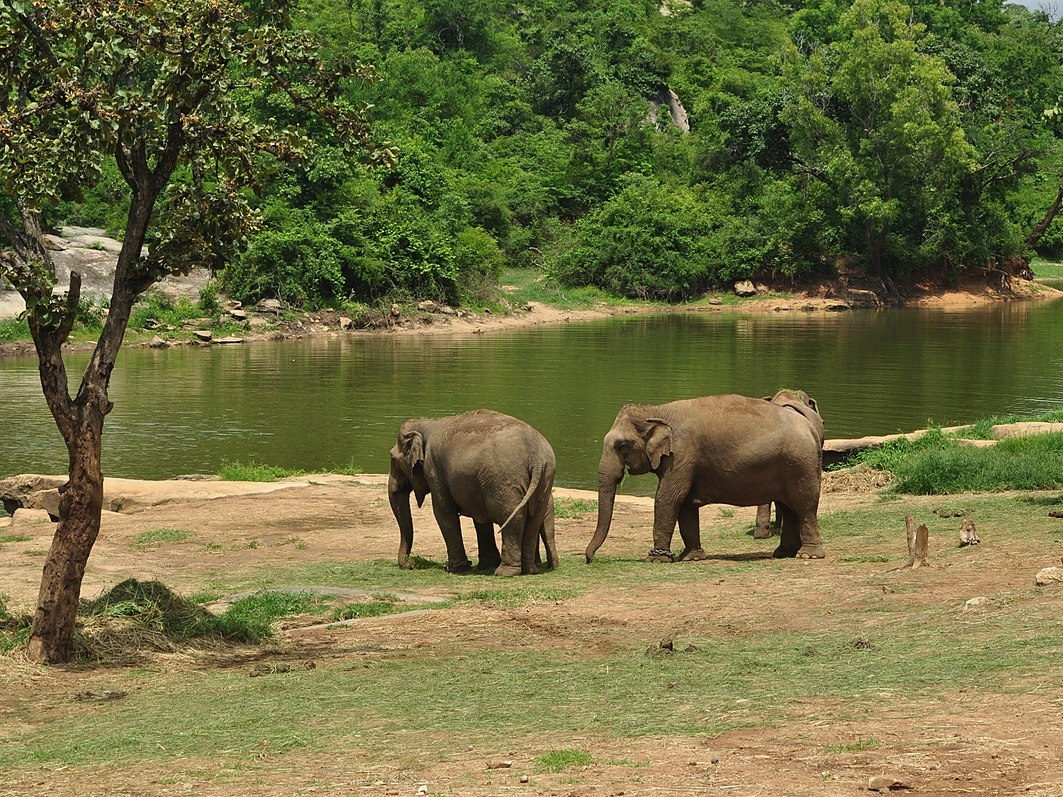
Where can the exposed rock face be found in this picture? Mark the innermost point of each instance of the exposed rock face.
(93, 255)
(745, 288)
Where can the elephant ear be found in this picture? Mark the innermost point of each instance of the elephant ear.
(413, 454)
(812, 404)
(658, 438)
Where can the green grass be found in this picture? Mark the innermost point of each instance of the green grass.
(14, 538)
(255, 472)
(938, 464)
(560, 760)
(14, 329)
(1044, 268)
(574, 507)
(153, 538)
(531, 285)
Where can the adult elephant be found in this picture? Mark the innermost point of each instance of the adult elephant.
(716, 449)
(798, 401)
(484, 465)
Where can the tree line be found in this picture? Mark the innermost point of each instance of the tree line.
(904, 139)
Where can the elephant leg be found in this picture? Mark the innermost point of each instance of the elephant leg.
(811, 541)
(763, 529)
(489, 558)
(547, 534)
(665, 514)
(690, 531)
(512, 554)
(450, 526)
(790, 534)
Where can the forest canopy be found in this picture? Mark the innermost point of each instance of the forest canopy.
(659, 150)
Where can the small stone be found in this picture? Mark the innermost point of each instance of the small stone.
(974, 603)
(884, 783)
(1049, 575)
(422, 789)
(499, 764)
(204, 335)
(158, 343)
(396, 311)
(523, 778)
(714, 760)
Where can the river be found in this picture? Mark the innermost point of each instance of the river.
(330, 402)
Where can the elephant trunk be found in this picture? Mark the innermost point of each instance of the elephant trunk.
(608, 478)
(399, 497)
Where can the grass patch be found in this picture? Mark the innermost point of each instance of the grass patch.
(560, 760)
(153, 538)
(255, 472)
(532, 285)
(938, 464)
(14, 538)
(854, 747)
(574, 507)
(1044, 268)
(517, 597)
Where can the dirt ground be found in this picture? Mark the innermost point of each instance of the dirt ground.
(966, 741)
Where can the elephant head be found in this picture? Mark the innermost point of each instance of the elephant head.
(406, 476)
(636, 443)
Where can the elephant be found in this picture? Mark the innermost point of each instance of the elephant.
(484, 465)
(785, 398)
(716, 449)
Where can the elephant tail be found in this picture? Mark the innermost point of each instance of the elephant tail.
(536, 476)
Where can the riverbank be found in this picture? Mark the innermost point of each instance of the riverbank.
(428, 318)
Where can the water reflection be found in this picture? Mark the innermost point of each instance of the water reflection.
(328, 402)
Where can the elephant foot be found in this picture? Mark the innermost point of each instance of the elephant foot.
(811, 552)
(660, 556)
(487, 566)
(784, 553)
(507, 570)
(693, 555)
(459, 567)
(407, 564)
(761, 534)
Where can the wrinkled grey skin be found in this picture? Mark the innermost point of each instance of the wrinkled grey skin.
(796, 400)
(484, 465)
(716, 449)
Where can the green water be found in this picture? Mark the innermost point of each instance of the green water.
(327, 403)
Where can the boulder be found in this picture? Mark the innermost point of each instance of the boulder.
(269, 306)
(159, 343)
(1049, 575)
(30, 517)
(346, 323)
(428, 306)
(745, 288)
(204, 335)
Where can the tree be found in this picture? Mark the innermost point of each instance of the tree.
(872, 115)
(167, 89)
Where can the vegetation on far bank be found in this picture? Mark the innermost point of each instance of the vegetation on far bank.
(897, 139)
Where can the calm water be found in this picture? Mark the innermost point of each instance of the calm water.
(322, 404)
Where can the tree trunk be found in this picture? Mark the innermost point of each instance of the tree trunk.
(80, 421)
(1042, 226)
(80, 504)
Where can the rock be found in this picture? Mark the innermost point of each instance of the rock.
(715, 301)
(204, 335)
(238, 314)
(860, 298)
(975, 603)
(346, 323)
(1049, 575)
(422, 790)
(229, 339)
(396, 311)
(5, 521)
(30, 517)
(159, 343)
(428, 306)
(745, 288)
(836, 307)
(499, 764)
(884, 783)
(269, 306)
(523, 778)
